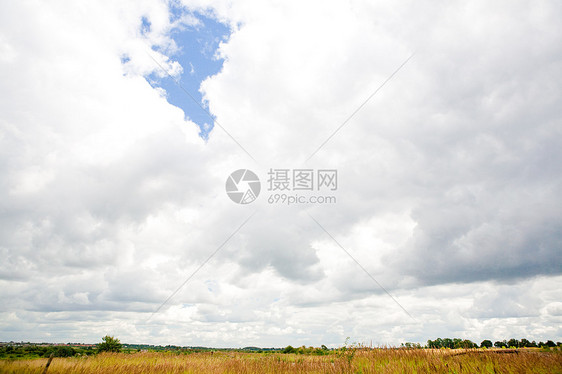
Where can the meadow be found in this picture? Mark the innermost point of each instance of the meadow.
(346, 361)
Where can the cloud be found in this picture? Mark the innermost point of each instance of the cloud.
(448, 177)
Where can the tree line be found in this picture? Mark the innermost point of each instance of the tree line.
(112, 344)
(108, 344)
(465, 343)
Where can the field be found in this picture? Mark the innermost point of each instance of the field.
(350, 361)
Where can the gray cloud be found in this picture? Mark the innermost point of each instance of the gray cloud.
(449, 176)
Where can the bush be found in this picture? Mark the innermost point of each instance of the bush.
(63, 351)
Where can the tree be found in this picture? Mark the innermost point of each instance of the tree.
(466, 343)
(513, 343)
(500, 344)
(486, 344)
(289, 349)
(434, 343)
(525, 343)
(109, 344)
(64, 351)
(448, 343)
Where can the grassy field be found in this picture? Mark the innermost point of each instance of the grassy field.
(350, 361)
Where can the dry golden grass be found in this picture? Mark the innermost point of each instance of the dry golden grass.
(350, 361)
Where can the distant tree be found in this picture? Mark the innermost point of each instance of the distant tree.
(457, 343)
(320, 351)
(550, 344)
(500, 344)
(64, 351)
(448, 343)
(437, 343)
(524, 343)
(513, 343)
(466, 343)
(289, 349)
(109, 344)
(324, 348)
(486, 344)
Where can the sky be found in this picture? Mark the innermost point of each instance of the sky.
(196, 37)
(442, 122)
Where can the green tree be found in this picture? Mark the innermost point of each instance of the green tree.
(109, 344)
(289, 349)
(500, 344)
(466, 343)
(513, 343)
(486, 344)
(525, 343)
(64, 351)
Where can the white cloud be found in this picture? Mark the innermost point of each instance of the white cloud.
(449, 178)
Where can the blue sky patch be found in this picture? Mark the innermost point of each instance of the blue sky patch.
(197, 56)
(145, 25)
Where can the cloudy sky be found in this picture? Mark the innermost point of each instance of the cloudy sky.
(448, 219)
